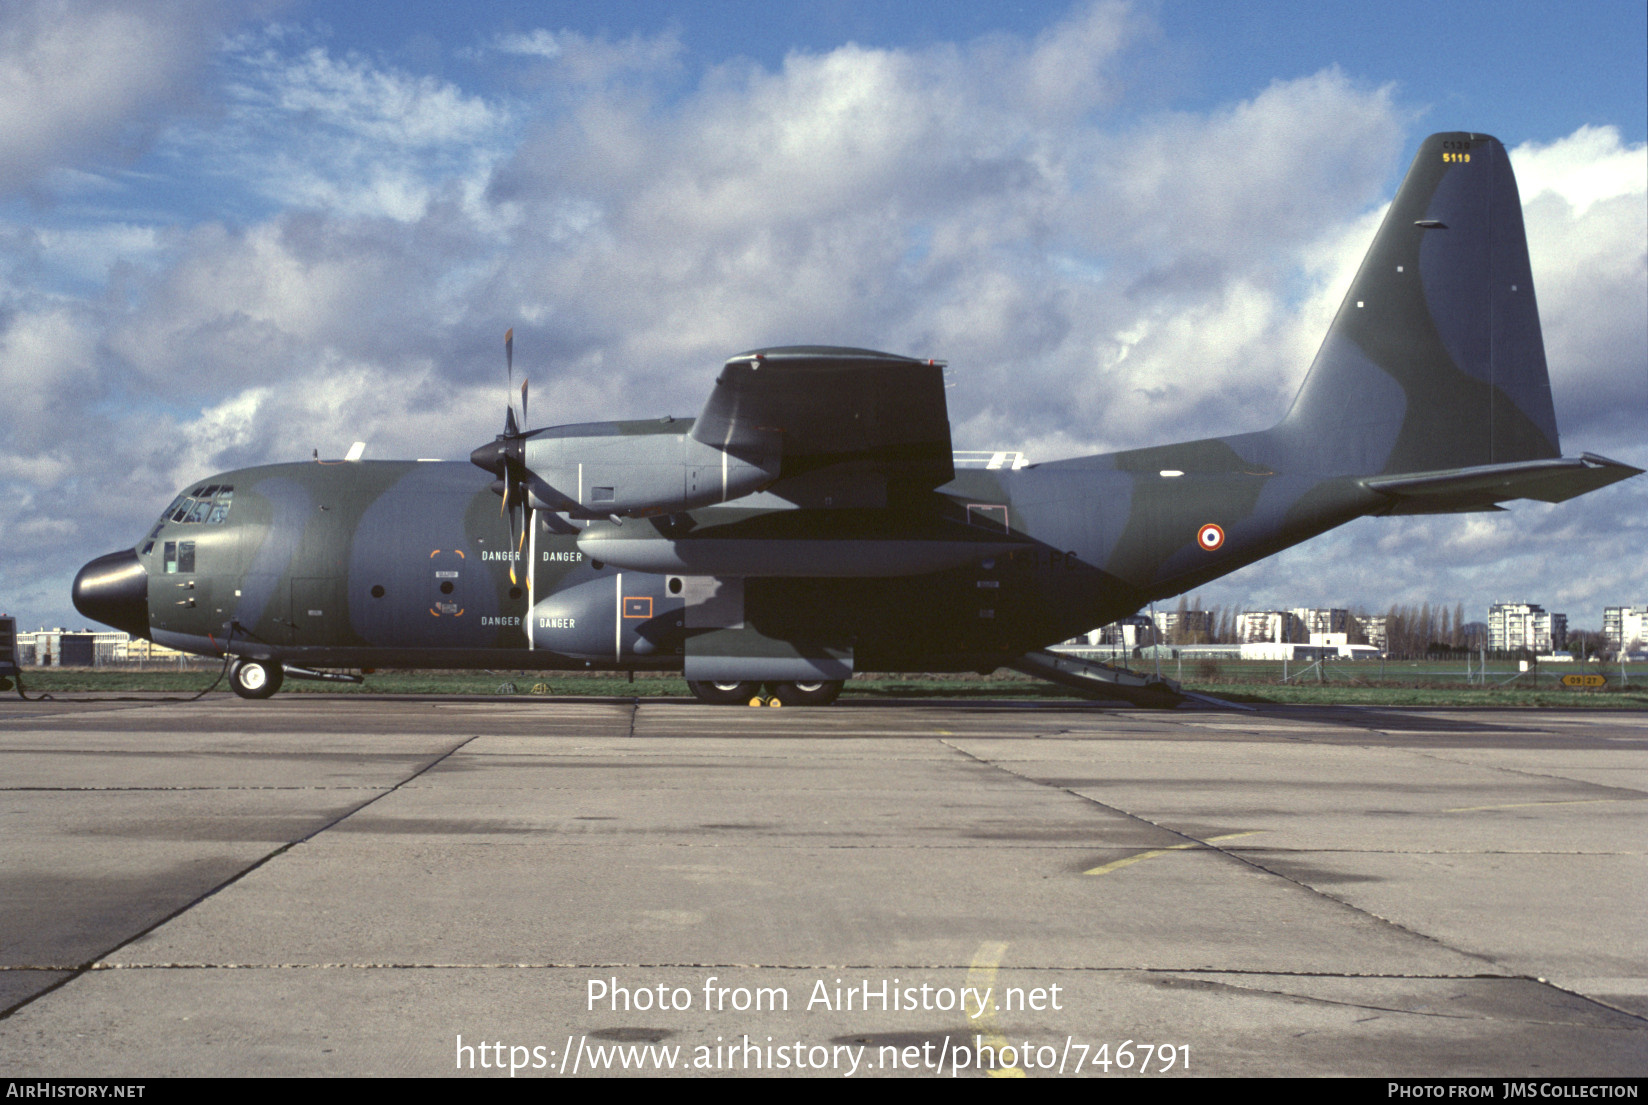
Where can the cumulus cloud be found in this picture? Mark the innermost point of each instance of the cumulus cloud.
(907, 199)
(570, 59)
(89, 82)
(344, 135)
(1585, 202)
(1588, 166)
(539, 43)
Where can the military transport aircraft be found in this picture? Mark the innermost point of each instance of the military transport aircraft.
(813, 520)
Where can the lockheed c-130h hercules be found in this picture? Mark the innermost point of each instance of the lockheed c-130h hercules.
(813, 519)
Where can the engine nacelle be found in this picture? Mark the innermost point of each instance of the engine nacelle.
(613, 619)
(637, 468)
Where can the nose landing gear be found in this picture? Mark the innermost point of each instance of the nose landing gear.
(255, 678)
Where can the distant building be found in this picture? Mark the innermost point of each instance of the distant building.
(8, 645)
(1185, 626)
(1276, 626)
(1621, 625)
(1375, 630)
(1134, 632)
(52, 648)
(1521, 626)
(1125, 634)
(1321, 620)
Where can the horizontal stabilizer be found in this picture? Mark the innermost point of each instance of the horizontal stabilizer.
(1461, 490)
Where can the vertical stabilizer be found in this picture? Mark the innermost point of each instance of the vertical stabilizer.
(1435, 360)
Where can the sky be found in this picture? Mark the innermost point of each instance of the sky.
(236, 231)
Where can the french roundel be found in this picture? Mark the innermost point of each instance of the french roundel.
(1210, 537)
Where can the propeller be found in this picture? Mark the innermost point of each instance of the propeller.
(505, 458)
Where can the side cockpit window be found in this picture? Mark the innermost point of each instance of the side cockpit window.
(177, 557)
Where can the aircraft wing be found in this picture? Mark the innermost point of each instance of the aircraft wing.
(1480, 488)
(876, 412)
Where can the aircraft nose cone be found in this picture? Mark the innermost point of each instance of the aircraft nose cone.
(114, 590)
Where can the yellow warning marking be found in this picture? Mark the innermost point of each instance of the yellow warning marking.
(1526, 805)
(1117, 865)
(981, 976)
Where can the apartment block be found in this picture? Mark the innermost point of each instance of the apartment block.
(1514, 626)
(1622, 625)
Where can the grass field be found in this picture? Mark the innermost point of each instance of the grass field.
(1404, 683)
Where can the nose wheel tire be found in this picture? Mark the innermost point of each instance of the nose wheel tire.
(723, 694)
(807, 694)
(255, 678)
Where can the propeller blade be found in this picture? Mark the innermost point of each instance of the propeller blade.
(512, 544)
(510, 426)
(524, 421)
(510, 473)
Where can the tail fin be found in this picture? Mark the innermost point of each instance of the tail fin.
(1435, 360)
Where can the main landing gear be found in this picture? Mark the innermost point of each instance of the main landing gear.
(821, 693)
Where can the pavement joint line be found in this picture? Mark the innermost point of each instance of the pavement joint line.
(1633, 1014)
(1634, 794)
(1553, 802)
(1234, 855)
(77, 972)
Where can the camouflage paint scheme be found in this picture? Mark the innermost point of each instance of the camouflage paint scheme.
(870, 550)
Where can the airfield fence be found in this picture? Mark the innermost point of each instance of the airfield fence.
(1440, 674)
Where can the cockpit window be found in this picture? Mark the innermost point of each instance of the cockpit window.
(207, 505)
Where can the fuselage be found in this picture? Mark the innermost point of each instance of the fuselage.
(415, 564)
